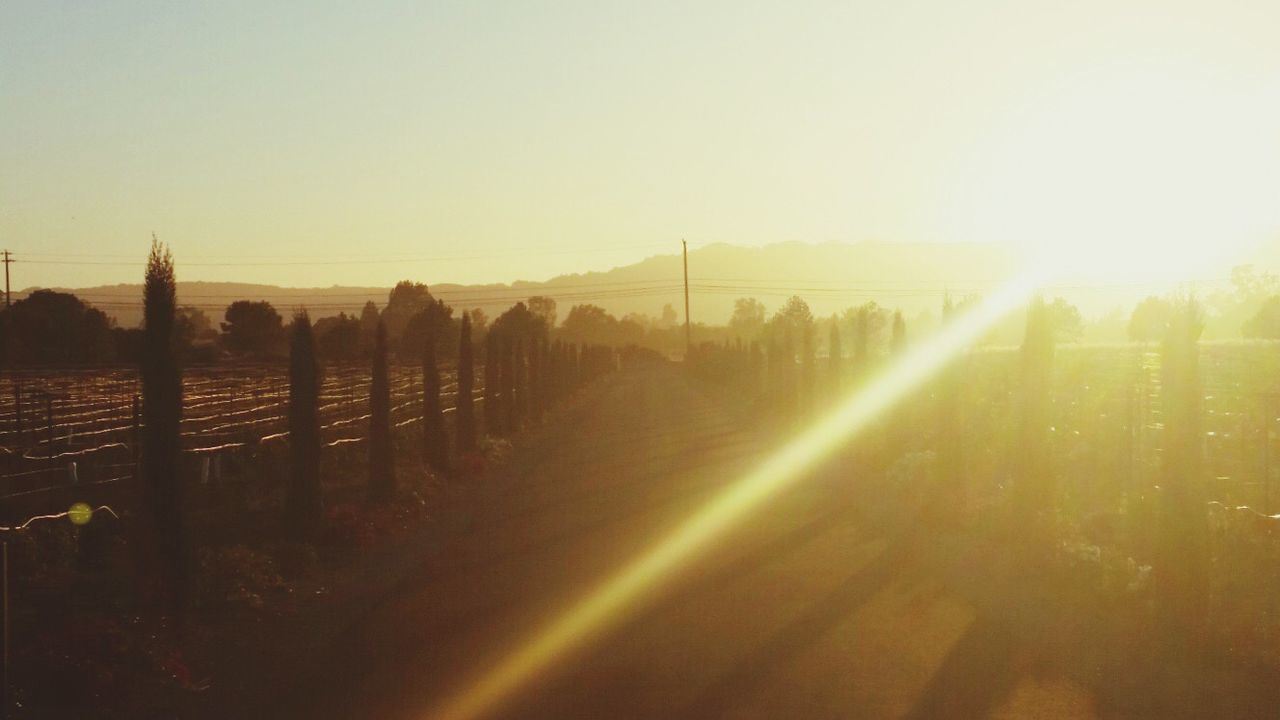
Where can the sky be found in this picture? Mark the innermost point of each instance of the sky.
(311, 144)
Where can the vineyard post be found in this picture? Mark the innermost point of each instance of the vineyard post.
(48, 416)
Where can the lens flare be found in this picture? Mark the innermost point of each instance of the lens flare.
(624, 588)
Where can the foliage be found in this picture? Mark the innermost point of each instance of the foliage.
(338, 337)
(304, 499)
(545, 308)
(747, 321)
(162, 483)
(1266, 322)
(54, 328)
(1149, 319)
(252, 328)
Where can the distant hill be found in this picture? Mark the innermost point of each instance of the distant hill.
(831, 276)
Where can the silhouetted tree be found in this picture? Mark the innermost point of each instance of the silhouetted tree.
(1181, 566)
(405, 300)
(492, 384)
(49, 327)
(1033, 486)
(434, 319)
(369, 316)
(162, 486)
(382, 479)
(304, 500)
(951, 494)
(1266, 322)
(545, 308)
(338, 337)
(519, 384)
(465, 430)
(898, 343)
(748, 318)
(435, 439)
(252, 327)
(835, 368)
(1150, 319)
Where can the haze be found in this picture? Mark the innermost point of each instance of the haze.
(463, 142)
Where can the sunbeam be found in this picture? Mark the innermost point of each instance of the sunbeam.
(611, 597)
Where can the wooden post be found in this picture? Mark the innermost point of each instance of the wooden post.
(48, 417)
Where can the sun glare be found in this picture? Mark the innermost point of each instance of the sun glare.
(1119, 172)
(616, 594)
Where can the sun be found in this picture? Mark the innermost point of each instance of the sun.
(1131, 173)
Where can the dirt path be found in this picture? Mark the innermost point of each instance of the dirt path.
(804, 611)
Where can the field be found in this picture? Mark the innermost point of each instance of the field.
(61, 429)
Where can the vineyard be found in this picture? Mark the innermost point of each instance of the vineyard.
(64, 429)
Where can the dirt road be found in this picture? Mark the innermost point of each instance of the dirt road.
(803, 611)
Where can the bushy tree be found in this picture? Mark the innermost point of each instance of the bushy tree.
(338, 337)
(162, 486)
(1265, 324)
(382, 479)
(544, 308)
(304, 503)
(1150, 319)
(434, 320)
(252, 328)
(748, 317)
(55, 328)
(589, 324)
(405, 300)
(465, 433)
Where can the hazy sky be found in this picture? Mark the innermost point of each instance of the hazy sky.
(484, 141)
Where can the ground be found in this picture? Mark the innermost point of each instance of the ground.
(816, 606)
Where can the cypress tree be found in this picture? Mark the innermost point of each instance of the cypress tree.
(435, 439)
(382, 479)
(519, 384)
(162, 488)
(492, 384)
(535, 389)
(507, 383)
(303, 508)
(861, 341)
(1033, 489)
(898, 344)
(465, 431)
(951, 494)
(1181, 566)
(835, 356)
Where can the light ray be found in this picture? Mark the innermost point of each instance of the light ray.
(612, 596)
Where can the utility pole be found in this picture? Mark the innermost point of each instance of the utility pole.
(688, 344)
(7, 260)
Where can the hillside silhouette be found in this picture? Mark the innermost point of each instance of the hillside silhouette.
(836, 275)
